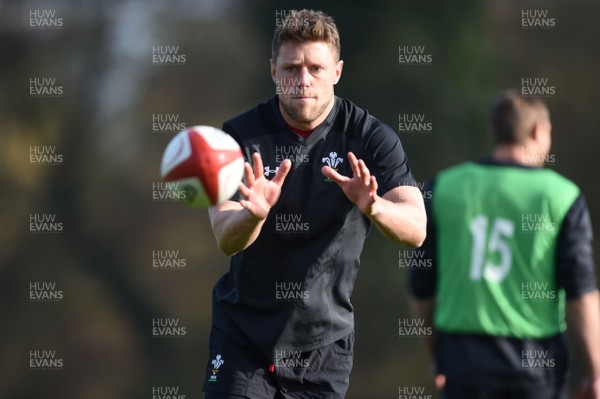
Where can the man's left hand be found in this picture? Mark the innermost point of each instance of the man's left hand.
(361, 189)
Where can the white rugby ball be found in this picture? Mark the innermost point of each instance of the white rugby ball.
(206, 164)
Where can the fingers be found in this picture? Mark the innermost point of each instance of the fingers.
(248, 174)
(365, 175)
(360, 172)
(354, 164)
(282, 172)
(359, 169)
(333, 175)
(373, 186)
(244, 190)
(254, 171)
(258, 165)
(246, 204)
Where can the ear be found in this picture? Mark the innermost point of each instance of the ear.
(536, 130)
(543, 134)
(338, 71)
(273, 68)
(541, 129)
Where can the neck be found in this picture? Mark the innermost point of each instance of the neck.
(310, 125)
(517, 154)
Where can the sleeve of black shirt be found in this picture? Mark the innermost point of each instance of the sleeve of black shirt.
(387, 160)
(422, 281)
(575, 269)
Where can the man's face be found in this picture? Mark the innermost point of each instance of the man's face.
(304, 74)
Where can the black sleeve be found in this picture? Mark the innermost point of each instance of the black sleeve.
(422, 282)
(387, 159)
(575, 269)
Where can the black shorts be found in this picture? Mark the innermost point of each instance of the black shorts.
(452, 391)
(490, 367)
(237, 370)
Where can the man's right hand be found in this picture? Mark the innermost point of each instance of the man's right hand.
(236, 225)
(261, 194)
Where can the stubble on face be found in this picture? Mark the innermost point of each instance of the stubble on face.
(302, 111)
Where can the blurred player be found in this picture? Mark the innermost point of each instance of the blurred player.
(323, 170)
(510, 243)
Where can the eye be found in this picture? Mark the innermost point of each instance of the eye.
(290, 68)
(317, 68)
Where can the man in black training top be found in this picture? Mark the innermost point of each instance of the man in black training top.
(322, 171)
(510, 244)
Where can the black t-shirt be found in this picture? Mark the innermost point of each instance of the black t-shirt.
(290, 289)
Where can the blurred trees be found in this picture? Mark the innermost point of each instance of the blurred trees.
(102, 191)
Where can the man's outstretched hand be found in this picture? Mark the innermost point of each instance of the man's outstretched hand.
(259, 192)
(361, 188)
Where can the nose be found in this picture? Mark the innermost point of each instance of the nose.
(304, 77)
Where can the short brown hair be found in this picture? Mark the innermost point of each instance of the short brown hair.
(513, 117)
(306, 26)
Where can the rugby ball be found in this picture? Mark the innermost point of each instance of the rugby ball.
(205, 164)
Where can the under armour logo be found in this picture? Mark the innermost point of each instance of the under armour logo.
(269, 171)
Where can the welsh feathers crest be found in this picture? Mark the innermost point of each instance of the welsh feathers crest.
(332, 161)
(217, 362)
